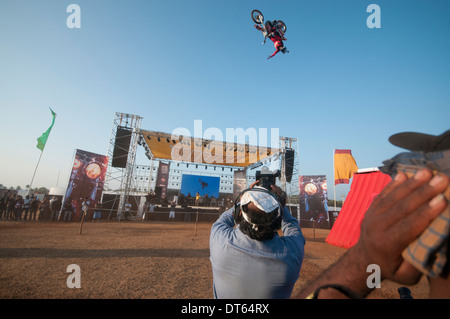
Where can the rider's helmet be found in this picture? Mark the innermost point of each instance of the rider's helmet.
(269, 25)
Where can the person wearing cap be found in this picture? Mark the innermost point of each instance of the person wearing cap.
(405, 231)
(249, 258)
(415, 141)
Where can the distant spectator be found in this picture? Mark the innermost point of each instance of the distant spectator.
(148, 207)
(45, 209)
(18, 206)
(97, 212)
(3, 205)
(26, 207)
(34, 205)
(197, 199)
(127, 210)
(55, 207)
(172, 210)
(10, 209)
(68, 210)
(85, 206)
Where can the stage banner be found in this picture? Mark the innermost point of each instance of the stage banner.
(239, 182)
(314, 201)
(198, 150)
(162, 179)
(86, 180)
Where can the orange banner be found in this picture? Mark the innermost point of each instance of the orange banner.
(344, 166)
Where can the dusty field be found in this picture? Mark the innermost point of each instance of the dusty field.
(131, 260)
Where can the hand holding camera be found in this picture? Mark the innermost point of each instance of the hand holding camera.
(267, 179)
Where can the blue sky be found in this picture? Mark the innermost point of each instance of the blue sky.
(343, 85)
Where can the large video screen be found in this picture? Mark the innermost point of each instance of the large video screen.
(193, 184)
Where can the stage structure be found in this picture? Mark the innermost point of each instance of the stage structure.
(212, 154)
(179, 155)
(121, 151)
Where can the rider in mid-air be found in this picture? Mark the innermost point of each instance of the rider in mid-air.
(275, 35)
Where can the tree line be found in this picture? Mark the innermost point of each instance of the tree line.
(39, 190)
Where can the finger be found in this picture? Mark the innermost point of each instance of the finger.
(409, 228)
(276, 189)
(399, 178)
(399, 188)
(254, 183)
(406, 274)
(416, 202)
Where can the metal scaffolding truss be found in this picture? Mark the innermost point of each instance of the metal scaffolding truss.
(118, 180)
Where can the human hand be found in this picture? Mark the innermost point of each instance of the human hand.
(280, 194)
(398, 215)
(254, 184)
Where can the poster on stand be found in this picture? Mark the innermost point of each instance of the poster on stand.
(86, 181)
(162, 180)
(314, 201)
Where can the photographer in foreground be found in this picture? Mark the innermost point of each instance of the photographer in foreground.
(249, 258)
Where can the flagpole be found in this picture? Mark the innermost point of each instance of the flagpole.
(334, 183)
(42, 140)
(32, 179)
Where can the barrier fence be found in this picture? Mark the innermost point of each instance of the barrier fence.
(182, 214)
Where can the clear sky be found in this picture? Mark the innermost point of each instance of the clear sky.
(342, 85)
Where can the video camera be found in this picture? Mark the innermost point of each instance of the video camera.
(267, 178)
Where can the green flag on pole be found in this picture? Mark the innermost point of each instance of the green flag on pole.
(43, 139)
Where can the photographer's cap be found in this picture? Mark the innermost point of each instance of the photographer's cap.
(421, 142)
(262, 199)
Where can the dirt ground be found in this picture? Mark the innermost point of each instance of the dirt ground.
(132, 260)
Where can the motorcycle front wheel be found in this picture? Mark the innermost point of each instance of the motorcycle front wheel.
(257, 17)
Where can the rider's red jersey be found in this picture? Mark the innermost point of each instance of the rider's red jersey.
(276, 37)
(277, 42)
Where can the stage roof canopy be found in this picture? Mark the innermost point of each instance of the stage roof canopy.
(210, 152)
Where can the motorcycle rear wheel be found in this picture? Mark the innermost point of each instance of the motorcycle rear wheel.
(257, 17)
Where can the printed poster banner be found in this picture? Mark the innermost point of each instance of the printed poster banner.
(239, 182)
(197, 150)
(314, 201)
(162, 179)
(86, 180)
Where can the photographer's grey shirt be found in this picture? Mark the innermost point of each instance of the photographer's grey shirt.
(246, 268)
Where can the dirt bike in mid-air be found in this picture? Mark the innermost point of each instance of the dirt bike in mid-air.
(274, 30)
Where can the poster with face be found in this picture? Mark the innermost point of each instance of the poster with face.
(313, 201)
(86, 180)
